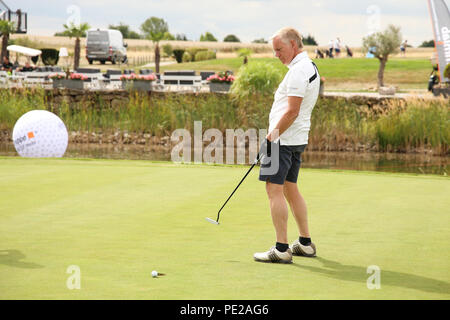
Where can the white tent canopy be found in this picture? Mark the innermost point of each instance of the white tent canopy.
(24, 50)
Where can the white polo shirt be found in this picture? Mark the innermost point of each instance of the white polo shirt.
(296, 84)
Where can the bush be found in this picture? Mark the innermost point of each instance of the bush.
(50, 56)
(168, 50)
(205, 55)
(178, 54)
(194, 51)
(187, 57)
(258, 78)
(447, 71)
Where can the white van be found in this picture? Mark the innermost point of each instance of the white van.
(105, 45)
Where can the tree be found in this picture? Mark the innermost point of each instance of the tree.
(245, 53)
(427, 44)
(208, 37)
(261, 40)
(181, 37)
(6, 28)
(127, 33)
(309, 41)
(168, 36)
(123, 28)
(77, 32)
(154, 29)
(382, 44)
(231, 38)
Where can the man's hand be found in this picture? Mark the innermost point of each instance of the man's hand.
(265, 149)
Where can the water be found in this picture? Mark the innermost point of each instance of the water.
(385, 162)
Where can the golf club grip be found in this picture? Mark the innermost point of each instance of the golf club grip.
(218, 214)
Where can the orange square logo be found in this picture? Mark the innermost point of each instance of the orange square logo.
(30, 135)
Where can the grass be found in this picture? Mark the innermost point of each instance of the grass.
(119, 220)
(356, 73)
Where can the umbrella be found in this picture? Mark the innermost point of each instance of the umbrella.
(24, 50)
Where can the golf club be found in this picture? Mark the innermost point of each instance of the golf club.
(218, 214)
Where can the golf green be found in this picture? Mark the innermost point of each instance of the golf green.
(117, 221)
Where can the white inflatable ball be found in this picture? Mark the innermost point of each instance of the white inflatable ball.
(40, 134)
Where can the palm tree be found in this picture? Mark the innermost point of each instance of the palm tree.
(76, 31)
(154, 29)
(6, 28)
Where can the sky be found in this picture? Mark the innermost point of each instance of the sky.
(349, 20)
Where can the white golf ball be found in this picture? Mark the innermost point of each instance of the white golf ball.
(154, 274)
(40, 134)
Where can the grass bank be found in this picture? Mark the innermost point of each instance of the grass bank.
(404, 126)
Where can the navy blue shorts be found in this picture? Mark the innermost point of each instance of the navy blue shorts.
(289, 165)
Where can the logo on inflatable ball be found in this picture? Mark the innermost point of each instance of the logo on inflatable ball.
(40, 134)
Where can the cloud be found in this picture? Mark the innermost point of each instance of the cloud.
(247, 19)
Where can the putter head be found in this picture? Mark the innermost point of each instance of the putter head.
(212, 221)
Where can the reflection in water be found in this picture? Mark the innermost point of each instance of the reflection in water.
(388, 162)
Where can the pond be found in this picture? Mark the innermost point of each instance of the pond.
(386, 162)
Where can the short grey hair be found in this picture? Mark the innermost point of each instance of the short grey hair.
(288, 33)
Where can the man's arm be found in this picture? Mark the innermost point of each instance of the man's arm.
(288, 117)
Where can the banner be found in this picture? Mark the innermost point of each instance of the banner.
(440, 18)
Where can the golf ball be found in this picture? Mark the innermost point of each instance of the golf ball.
(154, 274)
(40, 133)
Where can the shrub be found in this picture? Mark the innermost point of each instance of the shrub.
(178, 54)
(258, 77)
(194, 51)
(187, 57)
(50, 56)
(447, 71)
(205, 55)
(168, 50)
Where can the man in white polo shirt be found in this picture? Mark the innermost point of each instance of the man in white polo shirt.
(289, 124)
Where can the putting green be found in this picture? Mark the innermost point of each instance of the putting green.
(119, 220)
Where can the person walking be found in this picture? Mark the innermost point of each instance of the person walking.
(289, 124)
(330, 48)
(403, 48)
(337, 47)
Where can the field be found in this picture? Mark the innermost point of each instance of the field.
(357, 74)
(340, 74)
(119, 220)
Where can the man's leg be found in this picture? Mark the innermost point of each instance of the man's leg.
(302, 246)
(298, 207)
(279, 210)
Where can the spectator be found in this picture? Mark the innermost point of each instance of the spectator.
(7, 65)
(319, 53)
(403, 47)
(337, 47)
(349, 52)
(330, 48)
(27, 67)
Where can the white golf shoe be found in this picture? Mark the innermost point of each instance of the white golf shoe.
(300, 250)
(273, 255)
